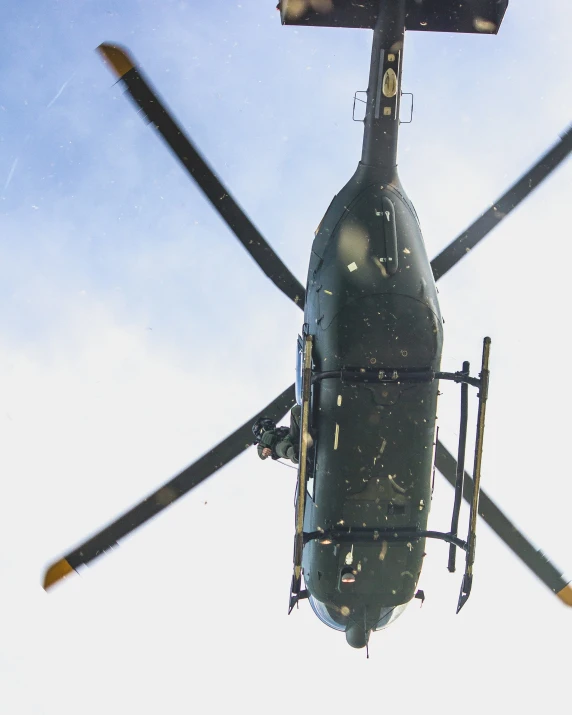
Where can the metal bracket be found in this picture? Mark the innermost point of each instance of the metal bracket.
(411, 113)
(357, 99)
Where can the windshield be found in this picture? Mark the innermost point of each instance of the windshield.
(334, 617)
(329, 616)
(388, 615)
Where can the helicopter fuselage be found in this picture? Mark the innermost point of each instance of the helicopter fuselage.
(371, 304)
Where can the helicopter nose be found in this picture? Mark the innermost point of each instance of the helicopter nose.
(357, 636)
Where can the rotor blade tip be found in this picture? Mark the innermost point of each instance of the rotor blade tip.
(565, 594)
(117, 57)
(56, 572)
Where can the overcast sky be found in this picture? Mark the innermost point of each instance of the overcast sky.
(136, 333)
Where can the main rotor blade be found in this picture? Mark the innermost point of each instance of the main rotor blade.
(503, 206)
(536, 561)
(189, 478)
(145, 97)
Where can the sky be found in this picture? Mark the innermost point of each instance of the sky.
(136, 333)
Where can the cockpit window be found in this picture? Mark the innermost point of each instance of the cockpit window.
(332, 615)
(329, 616)
(388, 615)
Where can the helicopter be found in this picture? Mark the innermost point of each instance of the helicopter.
(368, 356)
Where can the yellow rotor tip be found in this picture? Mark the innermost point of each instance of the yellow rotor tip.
(117, 57)
(565, 594)
(57, 571)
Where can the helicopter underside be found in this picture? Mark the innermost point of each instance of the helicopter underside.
(371, 306)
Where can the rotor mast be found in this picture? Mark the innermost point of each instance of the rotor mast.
(384, 89)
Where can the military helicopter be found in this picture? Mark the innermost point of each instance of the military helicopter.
(368, 358)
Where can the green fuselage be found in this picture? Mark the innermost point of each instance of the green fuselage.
(371, 303)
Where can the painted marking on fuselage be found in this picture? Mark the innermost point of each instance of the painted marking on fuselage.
(350, 556)
(389, 83)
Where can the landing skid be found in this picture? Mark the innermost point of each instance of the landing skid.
(364, 535)
(295, 589)
(472, 537)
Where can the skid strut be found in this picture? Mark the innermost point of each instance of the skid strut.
(367, 535)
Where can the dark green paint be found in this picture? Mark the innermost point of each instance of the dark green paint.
(366, 318)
